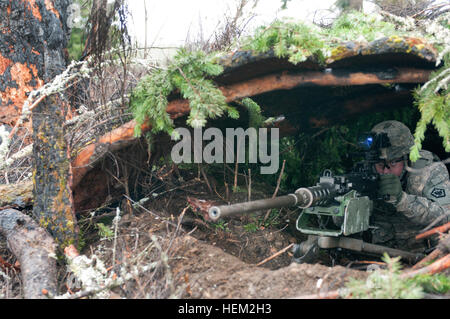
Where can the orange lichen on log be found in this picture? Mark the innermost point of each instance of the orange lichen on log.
(50, 7)
(286, 81)
(4, 63)
(22, 74)
(34, 8)
(35, 52)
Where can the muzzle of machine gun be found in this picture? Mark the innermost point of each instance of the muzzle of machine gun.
(303, 198)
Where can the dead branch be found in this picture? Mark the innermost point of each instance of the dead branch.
(276, 189)
(442, 248)
(35, 250)
(275, 255)
(436, 267)
(433, 255)
(436, 230)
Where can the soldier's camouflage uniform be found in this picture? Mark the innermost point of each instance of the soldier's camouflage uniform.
(426, 193)
(425, 198)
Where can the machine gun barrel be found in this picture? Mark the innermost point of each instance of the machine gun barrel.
(303, 198)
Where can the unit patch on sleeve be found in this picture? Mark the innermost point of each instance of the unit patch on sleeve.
(438, 192)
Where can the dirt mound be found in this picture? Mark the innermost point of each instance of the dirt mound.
(212, 273)
(219, 260)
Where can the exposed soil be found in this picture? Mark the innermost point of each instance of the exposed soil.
(205, 260)
(219, 260)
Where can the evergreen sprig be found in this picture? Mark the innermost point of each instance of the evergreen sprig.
(433, 102)
(254, 113)
(385, 284)
(295, 40)
(190, 74)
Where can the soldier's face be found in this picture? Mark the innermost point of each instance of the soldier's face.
(394, 167)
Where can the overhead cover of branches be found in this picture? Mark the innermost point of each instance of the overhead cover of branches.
(190, 73)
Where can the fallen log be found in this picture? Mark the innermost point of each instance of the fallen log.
(123, 136)
(88, 156)
(17, 195)
(35, 250)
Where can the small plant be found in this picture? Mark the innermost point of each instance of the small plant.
(293, 40)
(433, 102)
(437, 283)
(254, 113)
(104, 231)
(385, 284)
(251, 227)
(221, 225)
(272, 220)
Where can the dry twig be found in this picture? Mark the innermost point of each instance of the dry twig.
(276, 189)
(275, 255)
(436, 230)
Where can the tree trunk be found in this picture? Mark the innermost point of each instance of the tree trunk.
(33, 39)
(52, 191)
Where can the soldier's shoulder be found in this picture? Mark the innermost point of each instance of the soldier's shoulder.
(426, 159)
(427, 174)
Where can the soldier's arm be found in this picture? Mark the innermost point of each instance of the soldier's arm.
(434, 200)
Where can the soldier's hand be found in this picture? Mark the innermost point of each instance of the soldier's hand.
(390, 188)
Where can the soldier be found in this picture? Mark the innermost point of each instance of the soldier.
(416, 197)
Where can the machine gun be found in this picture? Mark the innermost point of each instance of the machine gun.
(332, 210)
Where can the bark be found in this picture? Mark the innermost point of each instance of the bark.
(436, 230)
(34, 248)
(18, 195)
(33, 40)
(52, 191)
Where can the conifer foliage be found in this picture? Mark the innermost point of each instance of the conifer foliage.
(190, 73)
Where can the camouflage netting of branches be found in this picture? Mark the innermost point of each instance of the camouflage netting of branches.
(190, 72)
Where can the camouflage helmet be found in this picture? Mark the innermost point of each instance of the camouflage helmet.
(400, 138)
